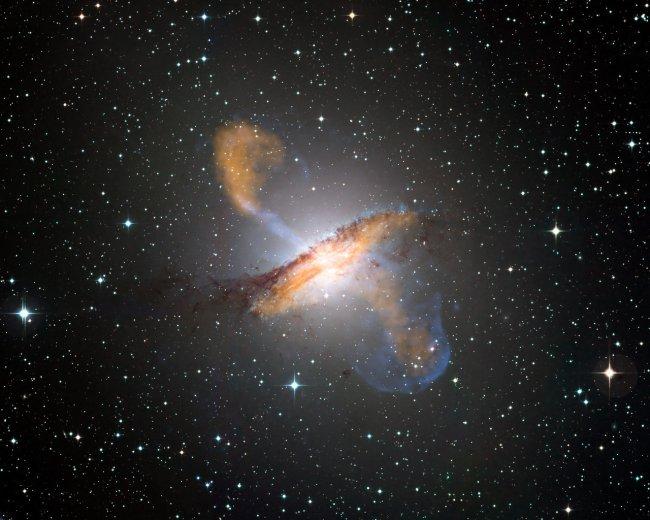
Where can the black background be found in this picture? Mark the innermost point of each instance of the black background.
(485, 112)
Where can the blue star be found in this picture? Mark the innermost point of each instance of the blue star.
(294, 385)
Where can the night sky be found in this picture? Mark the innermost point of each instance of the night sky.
(482, 353)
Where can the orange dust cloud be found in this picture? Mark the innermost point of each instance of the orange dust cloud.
(412, 343)
(242, 154)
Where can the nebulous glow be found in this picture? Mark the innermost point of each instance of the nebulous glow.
(243, 152)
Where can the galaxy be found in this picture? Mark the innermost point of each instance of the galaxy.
(242, 152)
(375, 260)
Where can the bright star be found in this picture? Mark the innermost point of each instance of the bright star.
(556, 230)
(24, 314)
(258, 18)
(609, 373)
(631, 144)
(567, 509)
(352, 15)
(204, 17)
(128, 223)
(294, 385)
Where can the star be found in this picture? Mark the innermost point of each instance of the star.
(556, 230)
(294, 385)
(352, 15)
(321, 118)
(204, 17)
(81, 16)
(609, 372)
(128, 223)
(631, 144)
(24, 314)
(567, 509)
(258, 18)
